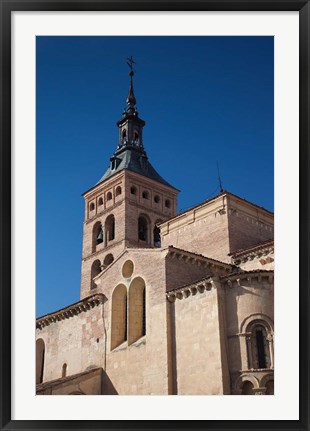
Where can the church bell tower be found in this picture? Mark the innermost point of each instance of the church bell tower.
(124, 208)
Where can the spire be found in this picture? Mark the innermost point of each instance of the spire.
(130, 125)
(130, 153)
(131, 100)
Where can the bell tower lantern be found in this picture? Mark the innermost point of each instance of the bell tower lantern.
(130, 126)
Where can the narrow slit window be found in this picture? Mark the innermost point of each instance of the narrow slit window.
(64, 370)
(143, 313)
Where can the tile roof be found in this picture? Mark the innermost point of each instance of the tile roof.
(261, 245)
(134, 161)
(253, 271)
(172, 247)
(60, 380)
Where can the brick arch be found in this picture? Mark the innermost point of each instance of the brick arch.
(265, 379)
(156, 233)
(256, 317)
(258, 329)
(109, 227)
(95, 270)
(109, 258)
(97, 235)
(244, 378)
(144, 228)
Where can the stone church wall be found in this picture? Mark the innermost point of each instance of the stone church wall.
(249, 299)
(154, 212)
(202, 230)
(86, 279)
(180, 272)
(77, 341)
(200, 362)
(249, 225)
(140, 367)
(219, 227)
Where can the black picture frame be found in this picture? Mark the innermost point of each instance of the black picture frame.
(9, 6)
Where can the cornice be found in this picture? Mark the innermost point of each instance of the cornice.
(256, 275)
(212, 282)
(103, 249)
(252, 253)
(188, 256)
(70, 311)
(144, 180)
(206, 284)
(109, 182)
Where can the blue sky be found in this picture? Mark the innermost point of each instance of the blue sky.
(204, 99)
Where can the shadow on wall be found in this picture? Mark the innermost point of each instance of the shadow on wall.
(107, 386)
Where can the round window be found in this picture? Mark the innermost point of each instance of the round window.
(128, 269)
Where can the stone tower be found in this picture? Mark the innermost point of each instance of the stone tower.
(123, 209)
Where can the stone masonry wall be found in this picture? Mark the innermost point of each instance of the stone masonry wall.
(249, 225)
(140, 367)
(181, 270)
(246, 299)
(218, 227)
(77, 342)
(199, 360)
(126, 208)
(202, 230)
(114, 206)
(154, 212)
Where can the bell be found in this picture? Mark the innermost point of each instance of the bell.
(100, 237)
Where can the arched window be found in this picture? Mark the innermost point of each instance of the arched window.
(95, 270)
(142, 228)
(64, 370)
(156, 236)
(108, 260)
(136, 137)
(259, 342)
(259, 347)
(97, 235)
(247, 388)
(133, 190)
(124, 137)
(100, 201)
(270, 387)
(118, 191)
(156, 199)
(92, 206)
(110, 228)
(145, 194)
(167, 203)
(119, 316)
(40, 354)
(137, 310)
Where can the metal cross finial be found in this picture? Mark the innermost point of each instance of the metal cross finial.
(219, 178)
(130, 62)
